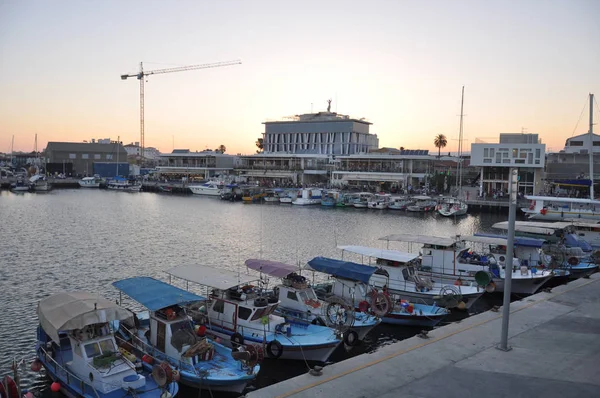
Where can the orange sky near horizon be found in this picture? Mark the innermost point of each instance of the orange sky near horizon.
(401, 65)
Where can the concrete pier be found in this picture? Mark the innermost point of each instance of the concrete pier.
(555, 340)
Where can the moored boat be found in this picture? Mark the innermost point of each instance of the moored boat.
(121, 184)
(399, 202)
(379, 201)
(90, 182)
(167, 333)
(79, 351)
(237, 313)
(299, 304)
(548, 208)
(308, 196)
(452, 207)
(421, 204)
(361, 201)
(209, 188)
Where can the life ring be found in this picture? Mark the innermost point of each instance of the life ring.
(237, 340)
(261, 302)
(351, 338)
(274, 349)
(573, 261)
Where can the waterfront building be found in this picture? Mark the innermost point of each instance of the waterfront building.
(284, 169)
(86, 158)
(524, 151)
(322, 133)
(133, 151)
(400, 168)
(573, 162)
(197, 165)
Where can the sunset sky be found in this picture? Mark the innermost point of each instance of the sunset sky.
(526, 66)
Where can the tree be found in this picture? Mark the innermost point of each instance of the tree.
(259, 144)
(401, 148)
(440, 142)
(221, 148)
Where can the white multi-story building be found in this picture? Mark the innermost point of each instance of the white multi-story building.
(204, 165)
(522, 151)
(581, 144)
(322, 133)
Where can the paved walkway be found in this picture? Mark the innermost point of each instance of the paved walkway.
(555, 340)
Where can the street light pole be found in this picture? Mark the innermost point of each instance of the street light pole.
(508, 268)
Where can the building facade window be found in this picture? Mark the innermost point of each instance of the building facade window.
(576, 143)
(72, 156)
(85, 156)
(97, 156)
(109, 156)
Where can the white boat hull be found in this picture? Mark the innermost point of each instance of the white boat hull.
(452, 212)
(305, 202)
(308, 353)
(553, 215)
(89, 185)
(125, 188)
(360, 205)
(197, 190)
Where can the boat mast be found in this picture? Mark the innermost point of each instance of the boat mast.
(118, 139)
(460, 141)
(12, 150)
(591, 150)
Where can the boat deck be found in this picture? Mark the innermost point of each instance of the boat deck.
(555, 340)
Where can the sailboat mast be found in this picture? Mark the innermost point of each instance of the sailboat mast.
(591, 150)
(460, 142)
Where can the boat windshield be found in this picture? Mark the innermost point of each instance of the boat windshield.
(306, 295)
(181, 325)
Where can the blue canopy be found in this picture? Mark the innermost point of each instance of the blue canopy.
(154, 294)
(342, 269)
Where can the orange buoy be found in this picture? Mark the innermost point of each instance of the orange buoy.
(55, 387)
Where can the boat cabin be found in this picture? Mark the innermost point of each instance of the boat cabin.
(77, 326)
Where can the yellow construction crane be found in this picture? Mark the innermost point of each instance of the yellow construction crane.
(142, 74)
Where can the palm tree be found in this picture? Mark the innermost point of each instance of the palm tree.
(440, 142)
(259, 145)
(221, 148)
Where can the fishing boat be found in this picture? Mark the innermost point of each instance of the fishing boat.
(354, 282)
(252, 194)
(331, 198)
(564, 248)
(454, 262)
(121, 184)
(209, 188)
(165, 188)
(298, 303)
(78, 350)
(547, 208)
(379, 201)
(422, 204)
(167, 333)
(272, 195)
(231, 192)
(236, 312)
(308, 196)
(399, 202)
(452, 207)
(347, 200)
(399, 273)
(362, 199)
(90, 182)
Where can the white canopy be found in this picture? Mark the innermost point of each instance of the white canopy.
(69, 311)
(421, 197)
(557, 199)
(429, 240)
(211, 277)
(526, 228)
(484, 239)
(391, 255)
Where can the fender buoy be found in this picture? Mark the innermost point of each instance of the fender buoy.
(351, 338)
(237, 340)
(363, 306)
(8, 388)
(543, 212)
(491, 287)
(274, 349)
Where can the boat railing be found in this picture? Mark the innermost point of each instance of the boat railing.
(154, 353)
(70, 377)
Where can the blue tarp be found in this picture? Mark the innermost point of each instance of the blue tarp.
(342, 269)
(572, 240)
(154, 294)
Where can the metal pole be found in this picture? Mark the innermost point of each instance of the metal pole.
(508, 268)
(591, 146)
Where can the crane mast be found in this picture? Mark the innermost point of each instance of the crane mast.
(141, 77)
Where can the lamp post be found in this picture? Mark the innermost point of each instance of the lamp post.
(508, 268)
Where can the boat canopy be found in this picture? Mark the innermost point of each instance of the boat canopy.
(154, 294)
(526, 228)
(421, 197)
(75, 310)
(211, 277)
(486, 239)
(342, 269)
(518, 240)
(391, 255)
(428, 240)
(272, 268)
(566, 200)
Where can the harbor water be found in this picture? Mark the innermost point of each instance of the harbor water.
(85, 239)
